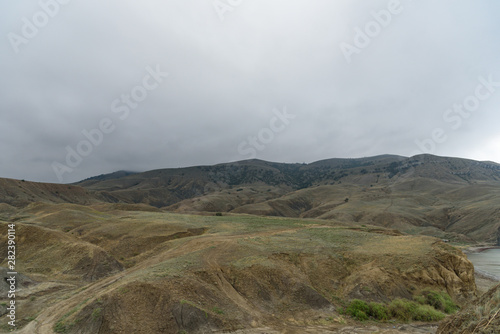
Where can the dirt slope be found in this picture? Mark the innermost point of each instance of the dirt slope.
(481, 317)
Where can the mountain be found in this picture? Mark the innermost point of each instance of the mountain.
(451, 198)
(104, 177)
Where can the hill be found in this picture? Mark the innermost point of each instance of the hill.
(450, 198)
(110, 268)
(447, 197)
(16, 193)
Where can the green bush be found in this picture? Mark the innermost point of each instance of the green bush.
(358, 309)
(378, 311)
(439, 300)
(406, 310)
(359, 315)
(428, 313)
(401, 309)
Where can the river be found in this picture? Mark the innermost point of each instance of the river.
(487, 262)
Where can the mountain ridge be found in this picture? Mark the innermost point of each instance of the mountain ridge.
(452, 198)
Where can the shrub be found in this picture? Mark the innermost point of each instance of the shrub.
(218, 310)
(359, 315)
(358, 309)
(439, 300)
(406, 310)
(427, 313)
(218, 214)
(401, 309)
(378, 311)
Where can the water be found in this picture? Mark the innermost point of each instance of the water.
(487, 262)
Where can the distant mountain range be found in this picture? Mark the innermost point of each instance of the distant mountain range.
(452, 198)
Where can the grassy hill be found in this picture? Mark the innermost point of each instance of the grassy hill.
(114, 268)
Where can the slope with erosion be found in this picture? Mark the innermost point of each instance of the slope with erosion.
(481, 316)
(451, 211)
(19, 193)
(166, 272)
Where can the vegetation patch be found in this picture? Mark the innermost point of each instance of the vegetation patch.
(406, 310)
(63, 325)
(400, 309)
(439, 300)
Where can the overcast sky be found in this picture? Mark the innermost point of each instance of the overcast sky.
(91, 87)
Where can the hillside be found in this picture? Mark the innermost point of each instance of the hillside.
(447, 197)
(249, 247)
(450, 198)
(114, 268)
(16, 193)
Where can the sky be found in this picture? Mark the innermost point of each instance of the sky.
(91, 87)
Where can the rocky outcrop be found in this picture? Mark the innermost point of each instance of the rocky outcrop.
(449, 269)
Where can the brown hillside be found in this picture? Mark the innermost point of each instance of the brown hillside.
(205, 273)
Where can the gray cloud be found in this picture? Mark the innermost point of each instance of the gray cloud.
(226, 78)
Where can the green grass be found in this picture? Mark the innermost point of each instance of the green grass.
(439, 300)
(406, 310)
(379, 312)
(400, 309)
(62, 326)
(358, 309)
(217, 310)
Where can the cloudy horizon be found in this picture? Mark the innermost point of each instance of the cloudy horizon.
(90, 88)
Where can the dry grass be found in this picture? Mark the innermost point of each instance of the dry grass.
(246, 266)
